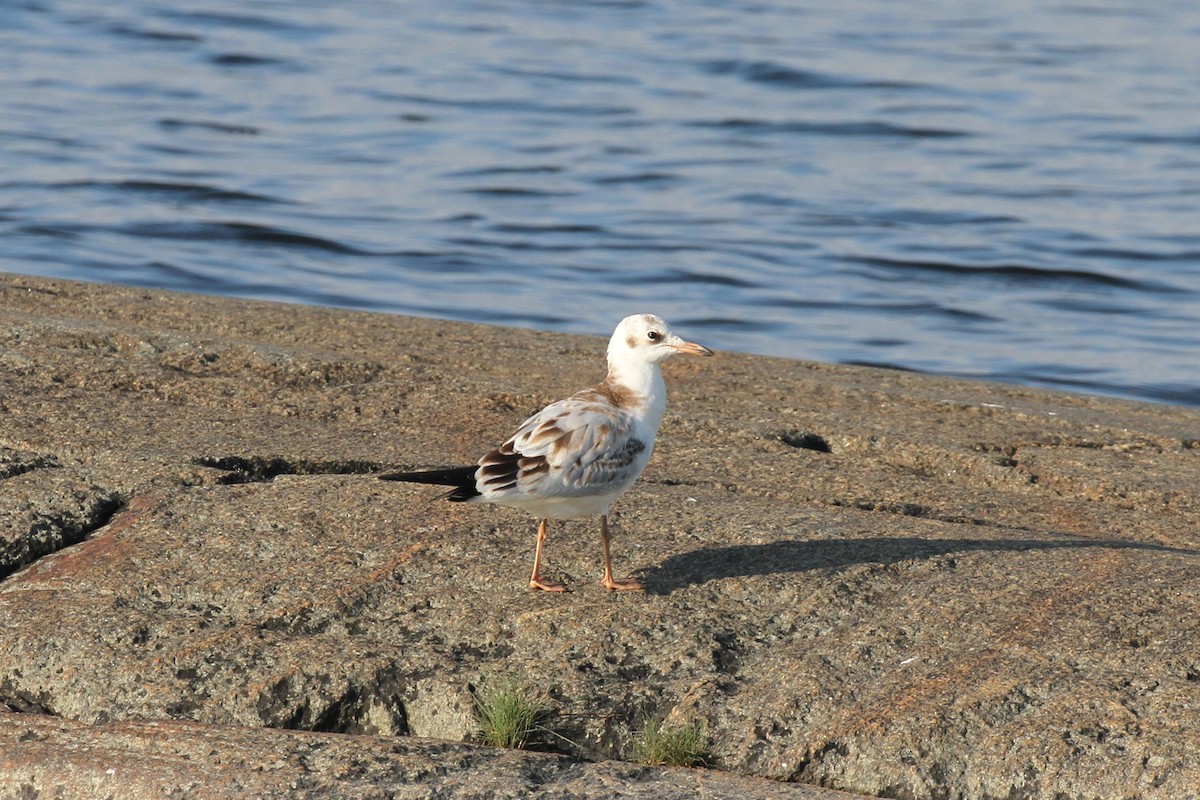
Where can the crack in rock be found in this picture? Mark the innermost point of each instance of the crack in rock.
(45, 517)
(321, 702)
(18, 462)
(909, 510)
(17, 701)
(261, 469)
(805, 440)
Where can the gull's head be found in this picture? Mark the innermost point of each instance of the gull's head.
(647, 339)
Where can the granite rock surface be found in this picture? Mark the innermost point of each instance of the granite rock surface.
(865, 580)
(44, 756)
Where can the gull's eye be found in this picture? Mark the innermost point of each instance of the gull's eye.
(654, 336)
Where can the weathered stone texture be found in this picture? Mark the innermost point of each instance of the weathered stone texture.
(133, 760)
(873, 581)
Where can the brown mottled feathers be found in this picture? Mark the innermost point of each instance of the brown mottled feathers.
(611, 392)
(502, 468)
(569, 448)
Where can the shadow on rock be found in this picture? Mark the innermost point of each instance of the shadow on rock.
(797, 555)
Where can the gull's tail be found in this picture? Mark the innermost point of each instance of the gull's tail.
(461, 478)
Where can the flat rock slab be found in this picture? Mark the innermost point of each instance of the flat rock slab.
(138, 760)
(865, 580)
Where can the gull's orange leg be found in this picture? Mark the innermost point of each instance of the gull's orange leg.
(535, 580)
(608, 580)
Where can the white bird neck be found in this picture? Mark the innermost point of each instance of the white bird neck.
(644, 380)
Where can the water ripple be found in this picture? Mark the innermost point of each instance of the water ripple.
(243, 232)
(192, 192)
(773, 74)
(248, 60)
(1022, 273)
(1002, 195)
(835, 129)
(171, 124)
(154, 35)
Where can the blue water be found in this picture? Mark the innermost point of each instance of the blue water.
(1007, 190)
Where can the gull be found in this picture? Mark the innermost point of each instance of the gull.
(576, 456)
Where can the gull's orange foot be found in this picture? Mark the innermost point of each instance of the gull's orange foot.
(622, 585)
(547, 586)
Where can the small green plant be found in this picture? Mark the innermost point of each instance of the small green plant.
(671, 745)
(508, 716)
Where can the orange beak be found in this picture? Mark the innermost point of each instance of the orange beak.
(691, 348)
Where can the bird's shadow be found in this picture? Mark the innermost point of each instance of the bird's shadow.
(796, 556)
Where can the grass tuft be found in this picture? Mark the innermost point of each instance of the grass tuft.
(508, 716)
(671, 745)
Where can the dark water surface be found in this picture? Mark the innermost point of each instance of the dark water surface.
(1007, 190)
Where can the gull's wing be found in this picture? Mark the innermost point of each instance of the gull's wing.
(579, 446)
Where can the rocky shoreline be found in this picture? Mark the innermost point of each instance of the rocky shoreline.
(860, 580)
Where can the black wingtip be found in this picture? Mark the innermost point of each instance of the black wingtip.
(461, 478)
(454, 476)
